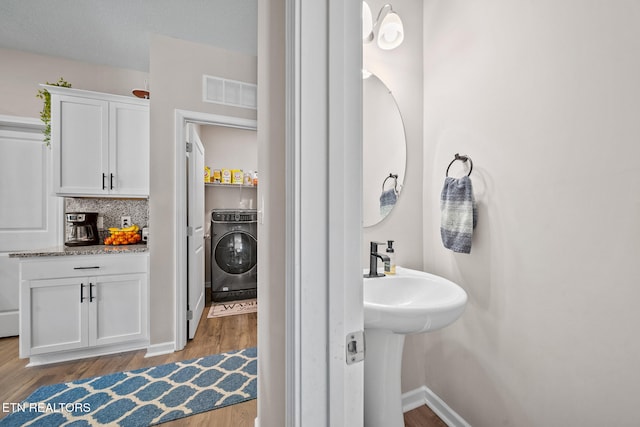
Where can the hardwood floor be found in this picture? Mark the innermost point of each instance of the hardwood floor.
(422, 417)
(214, 336)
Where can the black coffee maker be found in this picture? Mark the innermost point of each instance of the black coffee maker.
(82, 229)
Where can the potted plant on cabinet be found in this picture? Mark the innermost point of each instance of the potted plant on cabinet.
(45, 114)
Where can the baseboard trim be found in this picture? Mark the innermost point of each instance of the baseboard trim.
(82, 353)
(424, 396)
(160, 349)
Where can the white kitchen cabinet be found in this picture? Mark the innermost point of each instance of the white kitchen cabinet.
(58, 319)
(81, 306)
(100, 143)
(117, 309)
(129, 149)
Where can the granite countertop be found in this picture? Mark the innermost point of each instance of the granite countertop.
(81, 250)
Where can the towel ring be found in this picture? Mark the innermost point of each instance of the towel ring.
(463, 158)
(395, 181)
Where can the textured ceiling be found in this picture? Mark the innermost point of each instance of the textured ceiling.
(117, 32)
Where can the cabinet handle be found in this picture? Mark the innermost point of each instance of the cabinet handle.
(86, 268)
(104, 176)
(91, 297)
(111, 181)
(81, 293)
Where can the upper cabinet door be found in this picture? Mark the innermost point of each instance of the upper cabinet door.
(100, 143)
(79, 139)
(129, 149)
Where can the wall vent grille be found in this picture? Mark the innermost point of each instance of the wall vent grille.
(229, 92)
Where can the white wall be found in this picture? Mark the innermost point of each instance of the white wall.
(401, 70)
(230, 148)
(22, 72)
(176, 69)
(271, 194)
(544, 97)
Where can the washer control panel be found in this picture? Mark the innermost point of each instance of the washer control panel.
(234, 215)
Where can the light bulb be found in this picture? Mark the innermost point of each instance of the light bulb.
(391, 33)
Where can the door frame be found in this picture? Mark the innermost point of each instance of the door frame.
(182, 117)
(324, 212)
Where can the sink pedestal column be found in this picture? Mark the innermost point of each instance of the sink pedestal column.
(382, 369)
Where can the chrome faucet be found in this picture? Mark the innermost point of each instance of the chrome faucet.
(373, 260)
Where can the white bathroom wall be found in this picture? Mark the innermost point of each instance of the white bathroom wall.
(544, 97)
(401, 70)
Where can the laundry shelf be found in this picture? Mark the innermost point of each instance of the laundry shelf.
(217, 184)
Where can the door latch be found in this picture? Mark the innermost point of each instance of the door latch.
(355, 347)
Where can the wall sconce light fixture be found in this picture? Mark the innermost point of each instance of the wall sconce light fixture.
(390, 31)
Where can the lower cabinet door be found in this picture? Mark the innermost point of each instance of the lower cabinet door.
(57, 319)
(118, 309)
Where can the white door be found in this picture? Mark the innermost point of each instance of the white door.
(195, 230)
(30, 215)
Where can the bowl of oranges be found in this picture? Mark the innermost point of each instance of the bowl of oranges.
(123, 236)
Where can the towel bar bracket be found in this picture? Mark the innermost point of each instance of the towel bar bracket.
(395, 181)
(463, 158)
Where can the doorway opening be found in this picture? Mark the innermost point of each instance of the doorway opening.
(189, 256)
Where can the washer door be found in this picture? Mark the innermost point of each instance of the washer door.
(236, 252)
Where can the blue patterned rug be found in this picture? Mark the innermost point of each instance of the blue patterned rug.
(144, 396)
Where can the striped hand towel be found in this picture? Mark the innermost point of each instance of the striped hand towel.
(458, 214)
(388, 199)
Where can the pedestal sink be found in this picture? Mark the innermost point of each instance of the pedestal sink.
(409, 302)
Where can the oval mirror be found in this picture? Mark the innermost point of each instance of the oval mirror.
(384, 150)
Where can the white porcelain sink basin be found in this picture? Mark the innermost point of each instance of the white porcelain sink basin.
(411, 302)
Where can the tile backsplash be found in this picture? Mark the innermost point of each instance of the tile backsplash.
(111, 209)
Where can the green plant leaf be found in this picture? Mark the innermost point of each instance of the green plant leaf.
(45, 114)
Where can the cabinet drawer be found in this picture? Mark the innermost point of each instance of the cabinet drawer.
(77, 266)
